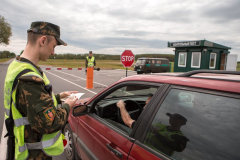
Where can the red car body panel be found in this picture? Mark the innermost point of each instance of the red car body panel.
(97, 136)
(138, 152)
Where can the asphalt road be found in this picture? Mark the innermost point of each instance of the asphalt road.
(63, 80)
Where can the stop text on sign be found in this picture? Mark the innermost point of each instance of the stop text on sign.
(127, 58)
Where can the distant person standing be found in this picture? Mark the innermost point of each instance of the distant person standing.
(90, 61)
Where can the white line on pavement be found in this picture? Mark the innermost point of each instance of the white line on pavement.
(3, 145)
(116, 75)
(71, 82)
(82, 78)
(121, 75)
(124, 70)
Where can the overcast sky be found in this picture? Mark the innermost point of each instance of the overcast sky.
(112, 26)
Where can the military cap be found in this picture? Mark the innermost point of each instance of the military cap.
(46, 28)
(179, 118)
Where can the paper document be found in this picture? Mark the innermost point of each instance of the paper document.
(78, 95)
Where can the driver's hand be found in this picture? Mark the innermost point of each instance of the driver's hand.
(121, 104)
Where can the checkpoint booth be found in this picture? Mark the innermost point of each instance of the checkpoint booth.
(199, 54)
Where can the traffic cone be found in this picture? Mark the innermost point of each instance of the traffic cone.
(89, 82)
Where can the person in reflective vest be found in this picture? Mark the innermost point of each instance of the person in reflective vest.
(90, 61)
(168, 139)
(33, 106)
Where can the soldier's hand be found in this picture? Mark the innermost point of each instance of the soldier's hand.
(67, 93)
(71, 102)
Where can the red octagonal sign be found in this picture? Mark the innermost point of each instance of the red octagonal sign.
(127, 58)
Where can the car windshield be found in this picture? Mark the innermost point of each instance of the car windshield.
(132, 91)
(141, 61)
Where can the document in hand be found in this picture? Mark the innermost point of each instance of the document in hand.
(78, 95)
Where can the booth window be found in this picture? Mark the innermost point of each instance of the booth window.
(182, 59)
(196, 59)
(212, 63)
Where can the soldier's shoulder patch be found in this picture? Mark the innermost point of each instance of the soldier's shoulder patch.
(49, 113)
(31, 78)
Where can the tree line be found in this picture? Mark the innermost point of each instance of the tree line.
(7, 54)
(109, 56)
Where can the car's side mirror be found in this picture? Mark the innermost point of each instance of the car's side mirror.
(80, 110)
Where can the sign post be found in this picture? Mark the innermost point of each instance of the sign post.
(127, 59)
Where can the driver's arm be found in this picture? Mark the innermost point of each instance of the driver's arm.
(125, 116)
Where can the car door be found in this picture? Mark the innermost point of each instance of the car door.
(96, 140)
(99, 136)
(189, 123)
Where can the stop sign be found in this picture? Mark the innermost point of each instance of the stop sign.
(127, 58)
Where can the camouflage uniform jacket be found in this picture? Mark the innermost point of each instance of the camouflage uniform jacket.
(34, 102)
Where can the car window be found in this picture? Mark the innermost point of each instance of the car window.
(192, 125)
(148, 61)
(132, 90)
(134, 96)
(140, 61)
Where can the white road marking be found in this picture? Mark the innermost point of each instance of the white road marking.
(72, 82)
(82, 78)
(3, 145)
(113, 72)
(115, 75)
(124, 70)
(121, 75)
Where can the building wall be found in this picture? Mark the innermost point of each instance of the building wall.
(205, 58)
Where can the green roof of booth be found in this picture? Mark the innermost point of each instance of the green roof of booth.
(197, 43)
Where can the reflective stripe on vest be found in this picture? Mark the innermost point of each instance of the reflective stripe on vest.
(39, 145)
(7, 111)
(21, 121)
(90, 61)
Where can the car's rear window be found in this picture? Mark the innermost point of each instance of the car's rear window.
(207, 128)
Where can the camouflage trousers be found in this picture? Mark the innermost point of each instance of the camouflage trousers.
(38, 155)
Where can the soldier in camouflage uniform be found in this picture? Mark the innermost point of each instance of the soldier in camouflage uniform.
(33, 100)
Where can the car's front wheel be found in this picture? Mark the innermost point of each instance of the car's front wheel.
(70, 150)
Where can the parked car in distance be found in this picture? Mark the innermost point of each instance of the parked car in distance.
(187, 118)
(152, 65)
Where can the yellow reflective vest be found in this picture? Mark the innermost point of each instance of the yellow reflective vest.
(51, 144)
(90, 61)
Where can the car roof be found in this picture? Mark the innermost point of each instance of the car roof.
(198, 82)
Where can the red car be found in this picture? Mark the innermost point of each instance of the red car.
(188, 117)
